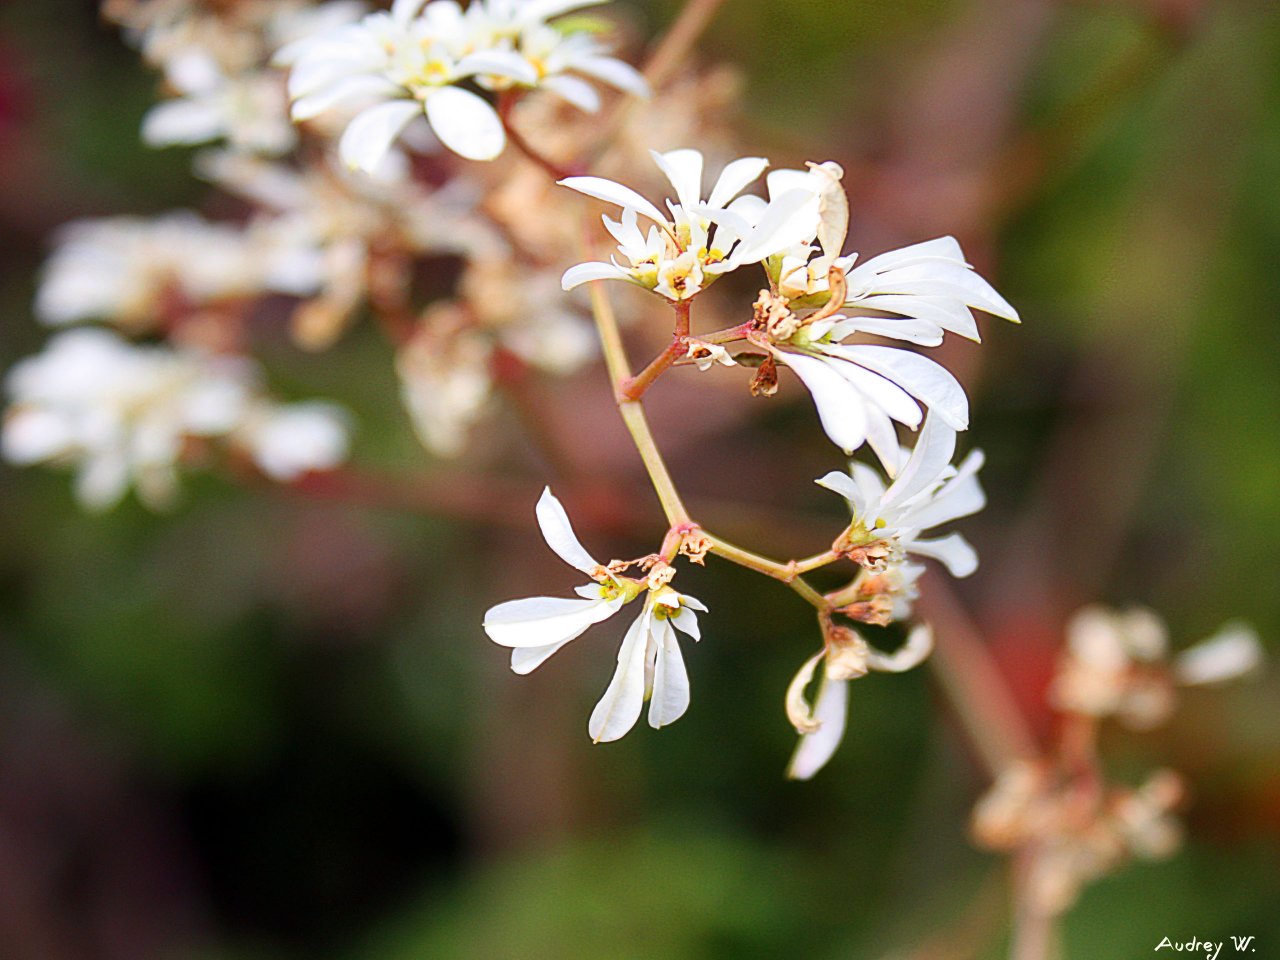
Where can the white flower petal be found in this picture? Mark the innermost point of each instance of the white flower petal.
(843, 484)
(372, 131)
(961, 496)
(907, 657)
(882, 438)
(614, 193)
(614, 72)
(498, 63)
(465, 123)
(683, 168)
(931, 456)
(344, 93)
(787, 221)
(619, 708)
(577, 92)
(883, 393)
(558, 532)
(815, 749)
(34, 434)
(540, 621)
(734, 178)
(952, 551)
(524, 660)
(181, 121)
(919, 376)
(685, 620)
(582, 273)
(841, 407)
(1230, 653)
(670, 698)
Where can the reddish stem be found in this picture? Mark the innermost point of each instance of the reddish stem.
(633, 388)
(506, 101)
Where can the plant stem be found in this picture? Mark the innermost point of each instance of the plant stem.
(632, 410)
(634, 387)
(786, 572)
(973, 684)
(679, 39)
(615, 356)
(727, 335)
(507, 100)
(683, 311)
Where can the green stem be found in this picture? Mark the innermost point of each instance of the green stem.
(786, 572)
(615, 357)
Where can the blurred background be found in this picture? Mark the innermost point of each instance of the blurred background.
(268, 725)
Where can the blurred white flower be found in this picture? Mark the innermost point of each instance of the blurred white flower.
(133, 271)
(287, 441)
(117, 412)
(122, 414)
(251, 112)
(445, 384)
(889, 523)
(846, 657)
(680, 254)
(407, 62)
(1233, 652)
(650, 665)
(1116, 663)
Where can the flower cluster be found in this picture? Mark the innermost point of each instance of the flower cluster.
(802, 320)
(125, 415)
(409, 62)
(650, 665)
(1116, 664)
(1078, 834)
(1070, 825)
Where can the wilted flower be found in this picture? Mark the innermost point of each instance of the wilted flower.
(650, 665)
(889, 523)
(680, 254)
(408, 62)
(845, 656)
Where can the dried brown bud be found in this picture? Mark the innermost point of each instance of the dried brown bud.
(765, 382)
(772, 314)
(877, 611)
(695, 546)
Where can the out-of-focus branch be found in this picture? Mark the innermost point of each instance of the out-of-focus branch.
(972, 682)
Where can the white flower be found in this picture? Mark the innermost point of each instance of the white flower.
(650, 665)
(926, 492)
(250, 111)
(118, 412)
(1116, 663)
(122, 414)
(1234, 651)
(131, 271)
(821, 725)
(406, 62)
(445, 384)
(287, 441)
(859, 390)
(682, 253)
